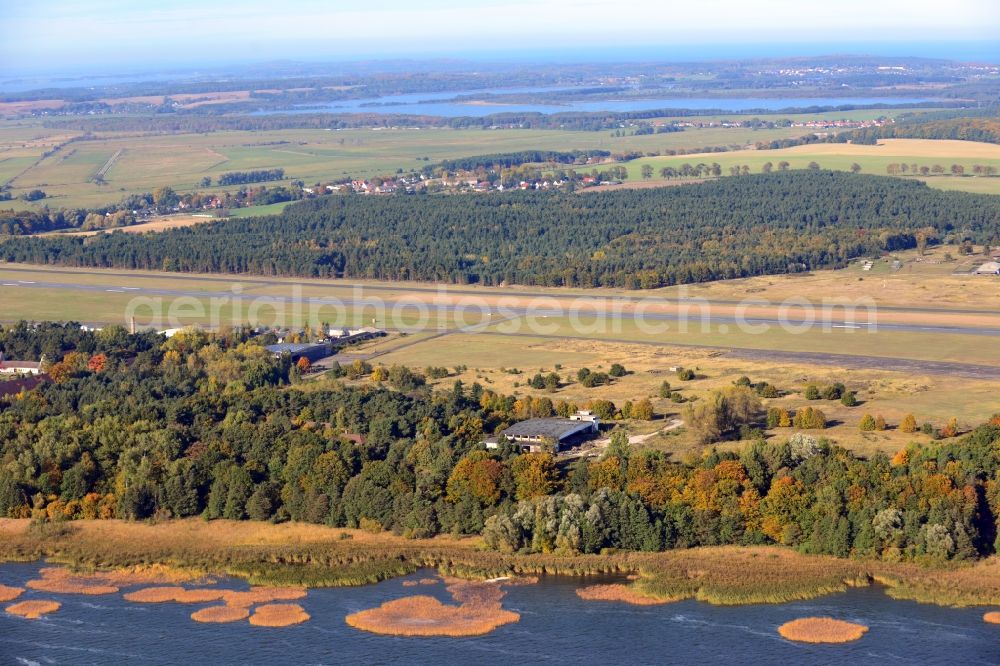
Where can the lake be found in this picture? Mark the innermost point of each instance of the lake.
(555, 627)
(444, 104)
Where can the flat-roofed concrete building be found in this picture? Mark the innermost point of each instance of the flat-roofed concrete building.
(535, 434)
(312, 351)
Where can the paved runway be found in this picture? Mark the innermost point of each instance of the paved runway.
(125, 285)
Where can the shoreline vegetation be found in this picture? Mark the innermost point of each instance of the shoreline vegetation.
(300, 555)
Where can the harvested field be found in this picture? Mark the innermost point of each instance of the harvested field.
(278, 615)
(617, 592)
(158, 224)
(8, 593)
(821, 630)
(34, 609)
(221, 614)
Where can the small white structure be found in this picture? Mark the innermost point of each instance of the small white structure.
(19, 367)
(989, 268)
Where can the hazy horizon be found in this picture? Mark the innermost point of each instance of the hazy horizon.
(965, 51)
(59, 37)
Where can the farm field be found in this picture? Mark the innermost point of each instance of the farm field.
(840, 157)
(154, 225)
(505, 364)
(147, 161)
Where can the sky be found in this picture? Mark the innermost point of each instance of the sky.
(106, 35)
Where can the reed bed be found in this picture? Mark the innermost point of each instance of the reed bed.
(429, 581)
(263, 595)
(278, 615)
(64, 581)
(221, 614)
(821, 630)
(479, 611)
(411, 583)
(617, 592)
(426, 616)
(175, 594)
(8, 593)
(993, 617)
(34, 609)
(301, 555)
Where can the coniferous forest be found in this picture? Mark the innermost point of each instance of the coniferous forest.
(137, 426)
(642, 238)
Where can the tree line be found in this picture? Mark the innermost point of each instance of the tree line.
(138, 426)
(254, 176)
(729, 228)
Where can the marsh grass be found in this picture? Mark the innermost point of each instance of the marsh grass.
(821, 630)
(34, 608)
(303, 555)
(479, 611)
(174, 594)
(63, 581)
(618, 592)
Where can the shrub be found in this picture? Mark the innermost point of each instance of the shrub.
(643, 410)
(908, 424)
(370, 525)
(867, 423)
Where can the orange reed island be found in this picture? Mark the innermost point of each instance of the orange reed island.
(221, 614)
(822, 630)
(618, 592)
(278, 615)
(173, 594)
(8, 593)
(61, 580)
(478, 612)
(993, 617)
(34, 609)
(236, 604)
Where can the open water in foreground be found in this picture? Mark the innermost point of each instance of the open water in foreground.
(556, 627)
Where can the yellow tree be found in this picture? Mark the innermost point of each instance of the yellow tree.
(535, 475)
